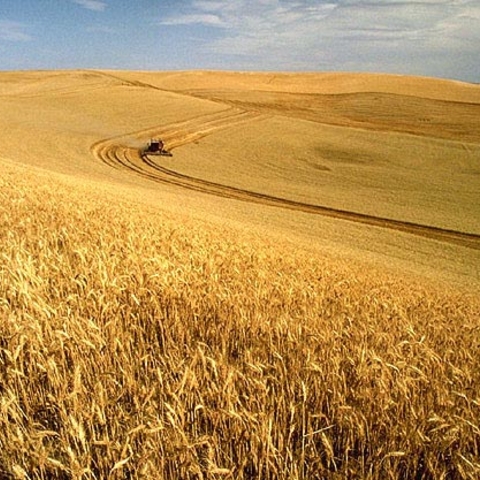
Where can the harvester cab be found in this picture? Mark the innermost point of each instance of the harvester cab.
(156, 147)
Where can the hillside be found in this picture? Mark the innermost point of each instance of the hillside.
(293, 294)
(393, 151)
(141, 344)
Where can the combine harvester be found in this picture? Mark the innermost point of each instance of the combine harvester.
(156, 147)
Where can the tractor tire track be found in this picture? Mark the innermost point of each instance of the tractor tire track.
(434, 233)
(112, 153)
(175, 134)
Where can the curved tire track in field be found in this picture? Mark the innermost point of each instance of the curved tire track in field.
(113, 153)
(174, 134)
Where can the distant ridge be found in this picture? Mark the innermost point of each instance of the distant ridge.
(329, 83)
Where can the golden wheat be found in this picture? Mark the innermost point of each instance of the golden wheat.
(138, 345)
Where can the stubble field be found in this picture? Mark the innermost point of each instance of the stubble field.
(292, 294)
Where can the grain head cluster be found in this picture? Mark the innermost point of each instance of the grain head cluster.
(135, 344)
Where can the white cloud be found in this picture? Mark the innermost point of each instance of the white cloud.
(208, 5)
(198, 18)
(13, 31)
(338, 34)
(461, 29)
(95, 5)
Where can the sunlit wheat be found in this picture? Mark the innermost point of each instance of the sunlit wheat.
(135, 345)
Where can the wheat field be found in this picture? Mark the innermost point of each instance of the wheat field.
(184, 318)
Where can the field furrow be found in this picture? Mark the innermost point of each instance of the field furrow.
(113, 153)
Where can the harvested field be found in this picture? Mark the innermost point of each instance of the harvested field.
(293, 294)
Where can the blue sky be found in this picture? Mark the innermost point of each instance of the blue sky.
(438, 38)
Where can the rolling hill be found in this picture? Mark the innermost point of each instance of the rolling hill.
(359, 151)
(292, 294)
